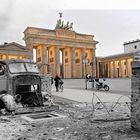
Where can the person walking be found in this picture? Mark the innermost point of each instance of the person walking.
(56, 79)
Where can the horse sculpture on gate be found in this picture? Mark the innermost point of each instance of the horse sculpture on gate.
(70, 26)
(60, 24)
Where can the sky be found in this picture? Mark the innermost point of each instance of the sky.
(112, 22)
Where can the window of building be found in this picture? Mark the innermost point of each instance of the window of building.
(135, 47)
(12, 57)
(39, 59)
(51, 60)
(125, 63)
(20, 57)
(118, 63)
(77, 60)
(51, 53)
(76, 54)
(66, 53)
(66, 60)
(3, 56)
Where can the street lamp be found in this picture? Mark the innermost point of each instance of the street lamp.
(91, 64)
(85, 61)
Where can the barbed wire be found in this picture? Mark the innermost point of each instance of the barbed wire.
(103, 104)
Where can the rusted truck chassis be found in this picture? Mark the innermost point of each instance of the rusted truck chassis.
(20, 88)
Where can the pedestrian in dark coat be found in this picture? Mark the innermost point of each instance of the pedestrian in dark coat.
(56, 79)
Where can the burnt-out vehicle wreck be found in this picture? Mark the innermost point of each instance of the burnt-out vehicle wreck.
(21, 88)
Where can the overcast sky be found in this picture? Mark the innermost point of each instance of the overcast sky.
(113, 22)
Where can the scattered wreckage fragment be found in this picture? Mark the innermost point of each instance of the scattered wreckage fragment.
(23, 89)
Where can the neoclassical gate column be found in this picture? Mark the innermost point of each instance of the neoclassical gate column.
(94, 62)
(109, 69)
(72, 54)
(83, 65)
(57, 60)
(44, 55)
(126, 67)
(120, 68)
(30, 47)
(44, 59)
(114, 69)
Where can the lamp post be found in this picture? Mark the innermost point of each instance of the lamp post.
(91, 64)
(85, 61)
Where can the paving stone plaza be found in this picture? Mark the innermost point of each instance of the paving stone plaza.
(74, 89)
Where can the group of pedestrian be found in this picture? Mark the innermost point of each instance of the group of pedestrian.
(58, 81)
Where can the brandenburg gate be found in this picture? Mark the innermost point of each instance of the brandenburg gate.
(64, 51)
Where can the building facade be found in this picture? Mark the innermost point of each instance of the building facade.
(132, 46)
(119, 65)
(116, 66)
(13, 51)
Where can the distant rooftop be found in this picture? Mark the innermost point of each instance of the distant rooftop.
(5, 44)
(130, 42)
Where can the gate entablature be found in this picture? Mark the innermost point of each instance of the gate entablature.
(33, 35)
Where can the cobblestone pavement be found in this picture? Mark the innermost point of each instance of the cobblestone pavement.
(117, 85)
(74, 89)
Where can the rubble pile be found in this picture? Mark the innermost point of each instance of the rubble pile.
(81, 123)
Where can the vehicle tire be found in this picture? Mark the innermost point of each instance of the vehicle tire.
(106, 87)
(97, 87)
(62, 88)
